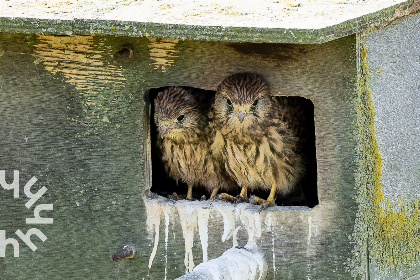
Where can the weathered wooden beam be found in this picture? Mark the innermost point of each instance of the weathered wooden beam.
(304, 23)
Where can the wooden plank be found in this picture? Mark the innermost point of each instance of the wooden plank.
(85, 118)
(389, 190)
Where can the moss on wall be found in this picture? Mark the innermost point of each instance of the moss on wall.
(386, 234)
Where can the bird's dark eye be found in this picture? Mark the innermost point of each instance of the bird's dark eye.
(180, 118)
(229, 102)
(255, 103)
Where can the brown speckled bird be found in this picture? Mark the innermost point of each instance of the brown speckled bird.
(181, 117)
(256, 134)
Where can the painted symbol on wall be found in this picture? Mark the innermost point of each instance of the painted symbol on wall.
(35, 220)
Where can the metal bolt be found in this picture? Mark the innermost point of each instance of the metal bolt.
(126, 253)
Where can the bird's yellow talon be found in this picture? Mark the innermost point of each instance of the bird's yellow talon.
(259, 201)
(253, 199)
(227, 197)
(268, 203)
(214, 193)
(241, 198)
(189, 193)
(174, 196)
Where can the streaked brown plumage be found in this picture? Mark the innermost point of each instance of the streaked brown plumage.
(256, 135)
(181, 116)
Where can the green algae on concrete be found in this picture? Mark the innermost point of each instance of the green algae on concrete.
(386, 234)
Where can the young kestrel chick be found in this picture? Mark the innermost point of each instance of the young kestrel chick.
(181, 117)
(256, 136)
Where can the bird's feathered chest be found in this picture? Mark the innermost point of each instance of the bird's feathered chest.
(256, 134)
(182, 160)
(192, 163)
(262, 159)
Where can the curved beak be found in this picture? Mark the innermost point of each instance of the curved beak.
(241, 116)
(163, 129)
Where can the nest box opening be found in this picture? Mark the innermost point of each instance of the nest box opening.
(162, 185)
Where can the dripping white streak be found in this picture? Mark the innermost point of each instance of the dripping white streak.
(309, 229)
(228, 222)
(235, 236)
(203, 223)
(274, 255)
(269, 224)
(166, 242)
(252, 223)
(154, 212)
(188, 218)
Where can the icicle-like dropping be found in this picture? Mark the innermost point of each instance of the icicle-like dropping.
(309, 230)
(269, 224)
(252, 223)
(188, 218)
(228, 222)
(203, 224)
(167, 211)
(153, 211)
(166, 242)
(194, 216)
